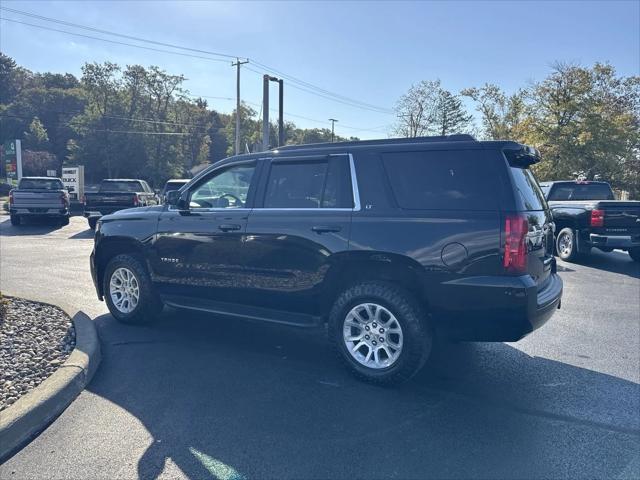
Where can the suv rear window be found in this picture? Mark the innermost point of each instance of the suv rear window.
(529, 196)
(442, 180)
(581, 191)
(309, 184)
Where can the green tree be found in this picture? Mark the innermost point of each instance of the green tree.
(36, 138)
(450, 116)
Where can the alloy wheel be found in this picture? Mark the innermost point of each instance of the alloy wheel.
(372, 335)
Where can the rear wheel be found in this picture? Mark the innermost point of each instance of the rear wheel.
(128, 291)
(15, 220)
(64, 221)
(380, 332)
(566, 246)
(634, 253)
(92, 223)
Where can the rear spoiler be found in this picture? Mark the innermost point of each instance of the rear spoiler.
(522, 156)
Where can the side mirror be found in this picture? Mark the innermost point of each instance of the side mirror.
(172, 197)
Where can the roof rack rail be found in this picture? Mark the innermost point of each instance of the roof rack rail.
(385, 141)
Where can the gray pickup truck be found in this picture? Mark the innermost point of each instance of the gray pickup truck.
(39, 197)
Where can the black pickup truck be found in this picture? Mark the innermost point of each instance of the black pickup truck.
(117, 194)
(587, 215)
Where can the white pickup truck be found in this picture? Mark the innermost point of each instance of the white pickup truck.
(39, 197)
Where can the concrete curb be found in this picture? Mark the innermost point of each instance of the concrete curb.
(32, 413)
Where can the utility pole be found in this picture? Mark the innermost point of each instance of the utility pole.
(237, 65)
(281, 113)
(265, 113)
(333, 122)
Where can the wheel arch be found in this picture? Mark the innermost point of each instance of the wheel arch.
(110, 247)
(358, 267)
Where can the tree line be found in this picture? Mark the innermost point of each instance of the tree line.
(142, 122)
(127, 121)
(584, 120)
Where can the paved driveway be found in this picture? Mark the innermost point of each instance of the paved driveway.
(207, 397)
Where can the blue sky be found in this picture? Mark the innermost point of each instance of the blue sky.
(368, 51)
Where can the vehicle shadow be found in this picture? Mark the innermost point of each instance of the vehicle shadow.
(233, 399)
(614, 262)
(83, 235)
(28, 227)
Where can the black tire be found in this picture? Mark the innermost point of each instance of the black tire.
(412, 318)
(92, 223)
(64, 221)
(149, 304)
(634, 253)
(566, 246)
(15, 220)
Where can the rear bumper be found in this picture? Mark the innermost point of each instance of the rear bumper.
(499, 309)
(39, 212)
(614, 241)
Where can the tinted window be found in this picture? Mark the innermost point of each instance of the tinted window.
(442, 180)
(121, 187)
(40, 184)
(226, 189)
(309, 185)
(581, 191)
(528, 193)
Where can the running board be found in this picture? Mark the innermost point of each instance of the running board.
(242, 311)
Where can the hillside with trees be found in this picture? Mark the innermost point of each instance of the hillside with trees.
(122, 122)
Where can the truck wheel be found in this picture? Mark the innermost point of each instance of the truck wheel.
(634, 253)
(566, 245)
(92, 223)
(15, 220)
(380, 333)
(128, 291)
(64, 221)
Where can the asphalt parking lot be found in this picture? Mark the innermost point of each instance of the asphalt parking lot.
(207, 397)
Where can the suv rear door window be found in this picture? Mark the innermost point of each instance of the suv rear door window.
(528, 193)
(442, 180)
(309, 184)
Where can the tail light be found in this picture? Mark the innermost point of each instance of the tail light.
(84, 200)
(136, 200)
(515, 243)
(597, 218)
(11, 197)
(64, 199)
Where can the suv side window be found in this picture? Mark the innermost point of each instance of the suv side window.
(226, 189)
(442, 180)
(309, 184)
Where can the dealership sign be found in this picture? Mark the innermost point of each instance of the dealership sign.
(73, 180)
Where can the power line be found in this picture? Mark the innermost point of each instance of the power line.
(111, 41)
(302, 85)
(107, 32)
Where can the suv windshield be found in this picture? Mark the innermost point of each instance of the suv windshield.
(581, 191)
(121, 187)
(40, 184)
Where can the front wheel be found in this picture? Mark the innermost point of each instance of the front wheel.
(380, 332)
(15, 220)
(92, 222)
(128, 291)
(634, 253)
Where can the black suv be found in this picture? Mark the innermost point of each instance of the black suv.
(390, 242)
